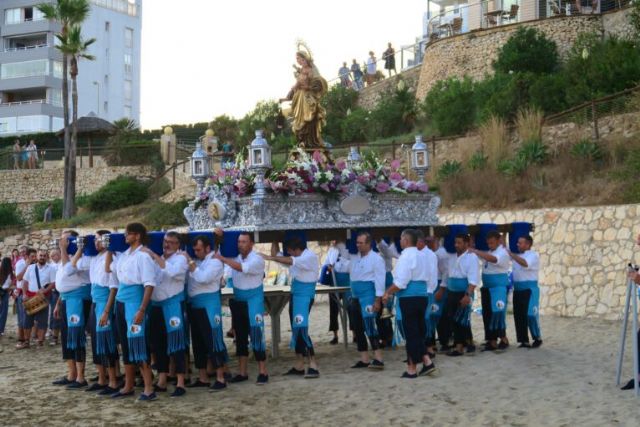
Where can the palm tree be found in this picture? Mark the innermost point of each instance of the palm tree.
(68, 13)
(75, 48)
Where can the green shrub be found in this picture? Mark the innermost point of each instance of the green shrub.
(502, 95)
(338, 102)
(10, 215)
(528, 50)
(533, 152)
(355, 126)
(450, 107)
(587, 149)
(478, 161)
(449, 169)
(159, 188)
(40, 207)
(516, 166)
(548, 93)
(163, 215)
(118, 193)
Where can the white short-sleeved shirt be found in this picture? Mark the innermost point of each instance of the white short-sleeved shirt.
(444, 258)
(170, 279)
(7, 282)
(136, 268)
(413, 265)
(206, 277)
(69, 279)
(21, 266)
(503, 264)
(47, 275)
(432, 262)
(464, 266)
(339, 257)
(305, 267)
(388, 252)
(369, 268)
(252, 273)
(95, 265)
(530, 272)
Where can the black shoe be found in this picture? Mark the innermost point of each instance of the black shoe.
(218, 386)
(147, 397)
(312, 373)
(489, 348)
(629, 386)
(295, 372)
(360, 364)
(158, 389)
(376, 365)
(263, 379)
(197, 384)
(96, 387)
(107, 391)
(178, 392)
(536, 343)
(427, 370)
(119, 394)
(408, 375)
(75, 385)
(455, 353)
(62, 381)
(445, 349)
(334, 341)
(94, 379)
(239, 378)
(524, 345)
(503, 345)
(471, 350)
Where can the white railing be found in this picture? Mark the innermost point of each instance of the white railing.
(17, 49)
(33, 101)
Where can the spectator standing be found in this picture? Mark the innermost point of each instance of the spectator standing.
(344, 73)
(32, 155)
(6, 283)
(17, 154)
(357, 75)
(389, 57)
(371, 68)
(48, 213)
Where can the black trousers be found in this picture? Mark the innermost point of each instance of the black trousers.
(461, 334)
(106, 360)
(443, 327)
(121, 323)
(158, 337)
(487, 313)
(202, 340)
(242, 326)
(79, 354)
(413, 310)
(521, 314)
(358, 328)
(301, 347)
(334, 312)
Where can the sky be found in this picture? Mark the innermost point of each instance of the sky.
(204, 58)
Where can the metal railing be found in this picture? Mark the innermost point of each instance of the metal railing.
(31, 101)
(16, 49)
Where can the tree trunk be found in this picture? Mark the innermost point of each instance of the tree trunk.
(71, 182)
(67, 208)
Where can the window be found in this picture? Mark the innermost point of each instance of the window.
(128, 37)
(12, 16)
(57, 69)
(127, 90)
(107, 26)
(127, 111)
(128, 67)
(37, 15)
(55, 97)
(25, 69)
(4, 125)
(32, 123)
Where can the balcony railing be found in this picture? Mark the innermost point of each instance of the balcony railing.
(19, 49)
(32, 101)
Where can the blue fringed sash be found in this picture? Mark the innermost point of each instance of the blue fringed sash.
(210, 302)
(344, 279)
(415, 288)
(255, 302)
(74, 305)
(301, 295)
(462, 316)
(105, 338)
(174, 322)
(497, 285)
(365, 292)
(131, 296)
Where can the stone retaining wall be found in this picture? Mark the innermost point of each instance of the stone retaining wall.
(369, 96)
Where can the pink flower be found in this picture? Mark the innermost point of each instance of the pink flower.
(325, 187)
(382, 187)
(395, 165)
(423, 187)
(362, 179)
(395, 178)
(341, 165)
(317, 156)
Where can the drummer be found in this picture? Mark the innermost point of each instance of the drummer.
(39, 279)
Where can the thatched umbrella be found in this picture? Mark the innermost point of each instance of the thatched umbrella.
(91, 126)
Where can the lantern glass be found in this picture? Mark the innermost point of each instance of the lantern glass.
(257, 158)
(198, 167)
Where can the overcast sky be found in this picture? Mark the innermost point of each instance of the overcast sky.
(203, 58)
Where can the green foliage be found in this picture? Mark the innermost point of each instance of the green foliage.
(449, 169)
(9, 215)
(533, 152)
(283, 143)
(118, 193)
(528, 50)
(634, 19)
(498, 95)
(225, 128)
(587, 149)
(478, 161)
(42, 140)
(56, 207)
(449, 106)
(516, 166)
(263, 116)
(163, 215)
(338, 102)
(354, 127)
(159, 188)
(396, 113)
(548, 93)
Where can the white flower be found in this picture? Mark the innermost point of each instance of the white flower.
(329, 175)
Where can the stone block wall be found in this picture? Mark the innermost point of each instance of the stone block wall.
(369, 96)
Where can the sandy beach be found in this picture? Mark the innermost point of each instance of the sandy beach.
(569, 381)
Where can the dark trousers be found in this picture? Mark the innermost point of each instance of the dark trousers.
(106, 360)
(487, 313)
(334, 311)
(358, 328)
(242, 326)
(121, 323)
(461, 333)
(413, 310)
(301, 346)
(158, 337)
(202, 340)
(54, 324)
(79, 354)
(521, 314)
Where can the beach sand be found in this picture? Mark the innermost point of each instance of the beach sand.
(569, 381)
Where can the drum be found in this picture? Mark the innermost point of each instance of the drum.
(35, 304)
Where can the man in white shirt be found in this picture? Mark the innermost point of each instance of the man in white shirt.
(432, 285)
(304, 274)
(371, 69)
(410, 283)
(495, 279)
(205, 314)
(54, 323)
(462, 280)
(526, 293)
(26, 257)
(337, 264)
(102, 323)
(248, 307)
(439, 307)
(389, 252)
(367, 287)
(39, 279)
